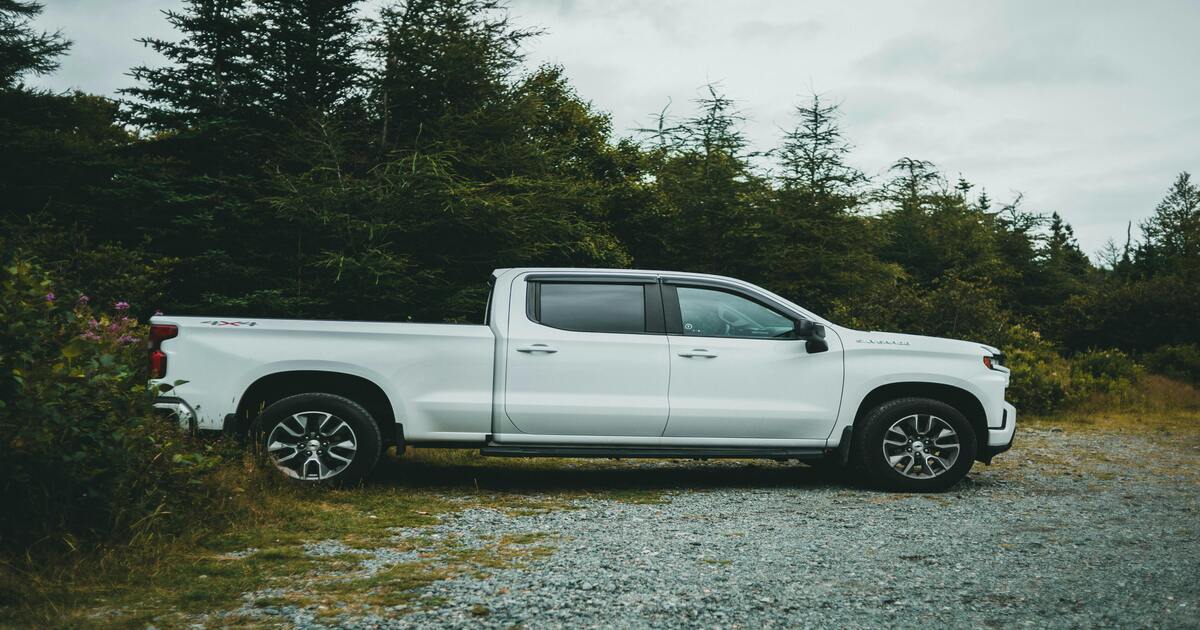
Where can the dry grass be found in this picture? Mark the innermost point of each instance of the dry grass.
(1157, 404)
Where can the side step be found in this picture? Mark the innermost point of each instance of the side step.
(665, 452)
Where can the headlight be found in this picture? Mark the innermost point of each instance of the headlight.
(995, 361)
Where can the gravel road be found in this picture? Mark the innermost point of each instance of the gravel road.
(1070, 529)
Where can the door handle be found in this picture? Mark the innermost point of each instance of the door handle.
(698, 353)
(537, 347)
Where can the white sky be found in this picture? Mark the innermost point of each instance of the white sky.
(1090, 108)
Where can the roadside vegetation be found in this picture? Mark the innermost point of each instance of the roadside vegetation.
(344, 168)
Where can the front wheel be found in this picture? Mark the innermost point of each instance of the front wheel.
(319, 438)
(914, 445)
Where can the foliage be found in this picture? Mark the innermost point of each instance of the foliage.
(1179, 362)
(1041, 377)
(23, 50)
(86, 459)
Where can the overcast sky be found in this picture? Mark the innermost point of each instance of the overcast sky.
(1088, 108)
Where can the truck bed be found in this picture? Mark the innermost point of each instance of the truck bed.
(437, 377)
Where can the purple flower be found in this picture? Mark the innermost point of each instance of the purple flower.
(90, 336)
(121, 306)
(50, 296)
(158, 312)
(83, 300)
(127, 339)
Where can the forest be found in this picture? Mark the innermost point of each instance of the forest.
(291, 158)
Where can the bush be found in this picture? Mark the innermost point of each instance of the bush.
(1041, 377)
(1180, 362)
(1107, 375)
(1043, 381)
(86, 459)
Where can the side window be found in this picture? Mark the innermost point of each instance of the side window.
(713, 313)
(591, 307)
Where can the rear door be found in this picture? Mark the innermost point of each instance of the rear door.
(588, 356)
(737, 371)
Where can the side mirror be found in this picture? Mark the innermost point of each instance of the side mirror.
(808, 329)
(813, 334)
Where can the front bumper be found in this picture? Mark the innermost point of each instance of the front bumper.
(1000, 438)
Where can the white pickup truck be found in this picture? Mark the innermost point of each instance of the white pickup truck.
(593, 363)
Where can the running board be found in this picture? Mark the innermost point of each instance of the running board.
(664, 452)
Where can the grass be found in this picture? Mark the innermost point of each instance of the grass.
(1157, 404)
(169, 584)
(174, 583)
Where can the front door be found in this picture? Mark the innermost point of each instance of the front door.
(588, 357)
(738, 372)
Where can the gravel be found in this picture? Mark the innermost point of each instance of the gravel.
(1072, 530)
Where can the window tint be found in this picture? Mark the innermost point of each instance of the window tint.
(593, 307)
(712, 313)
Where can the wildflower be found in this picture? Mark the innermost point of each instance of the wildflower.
(158, 312)
(127, 339)
(121, 306)
(50, 296)
(83, 300)
(90, 336)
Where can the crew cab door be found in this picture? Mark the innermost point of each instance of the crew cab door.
(738, 372)
(587, 356)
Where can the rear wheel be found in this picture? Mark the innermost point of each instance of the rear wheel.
(914, 445)
(319, 438)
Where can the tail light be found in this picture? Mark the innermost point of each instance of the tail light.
(158, 358)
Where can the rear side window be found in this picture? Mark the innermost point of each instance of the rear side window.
(591, 307)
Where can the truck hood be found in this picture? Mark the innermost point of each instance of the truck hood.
(858, 339)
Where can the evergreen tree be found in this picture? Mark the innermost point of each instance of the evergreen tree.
(713, 205)
(1172, 233)
(22, 49)
(210, 81)
(1062, 251)
(821, 247)
(306, 51)
(439, 60)
(930, 230)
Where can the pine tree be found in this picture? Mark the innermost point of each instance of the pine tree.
(712, 203)
(439, 60)
(22, 49)
(1172, 233)
(813, 155)
(821, 247)
(210, 81)
(306, 51)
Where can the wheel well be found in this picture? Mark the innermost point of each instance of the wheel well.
(274, 387)
(962, 400)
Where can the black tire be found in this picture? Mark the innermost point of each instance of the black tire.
(870, 460)
(312, 414)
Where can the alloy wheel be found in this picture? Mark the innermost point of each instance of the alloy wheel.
(312, 445)
(921, 446)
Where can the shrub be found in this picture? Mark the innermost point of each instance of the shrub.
(1107, 366)
(1180, 362)
(1041, 377)
(1107, 375)
(86, 459)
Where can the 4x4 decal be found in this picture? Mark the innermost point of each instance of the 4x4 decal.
(222, 322)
